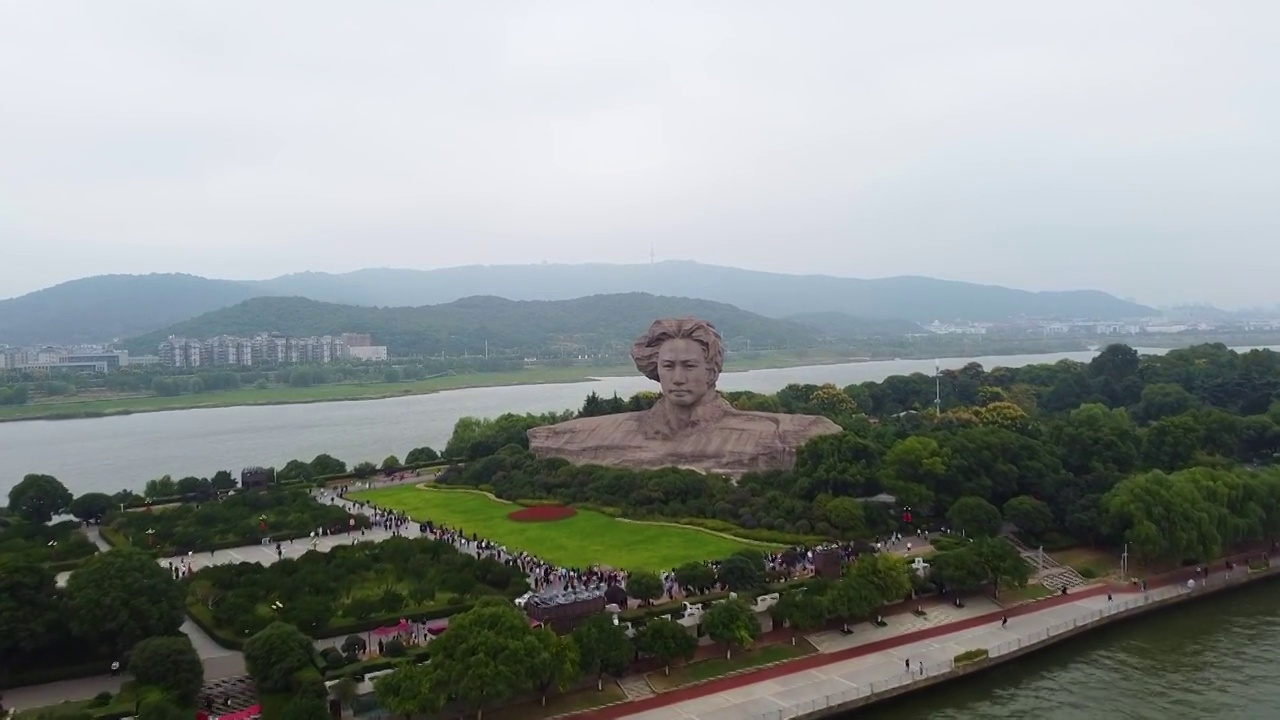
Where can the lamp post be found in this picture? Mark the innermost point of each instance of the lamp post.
(1124, 563)
(151, 536)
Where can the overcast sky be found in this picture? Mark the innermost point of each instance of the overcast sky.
(1124, 146)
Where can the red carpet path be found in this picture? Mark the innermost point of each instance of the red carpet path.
(810, 662)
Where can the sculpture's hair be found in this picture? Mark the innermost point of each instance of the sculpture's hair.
(645, 350)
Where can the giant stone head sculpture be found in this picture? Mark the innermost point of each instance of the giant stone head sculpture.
(685, 356)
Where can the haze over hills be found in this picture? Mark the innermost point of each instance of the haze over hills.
(560, 327)
(101, 308)
(918, 299)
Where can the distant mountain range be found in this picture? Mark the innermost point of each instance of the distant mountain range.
(589, 325)
(101, 308)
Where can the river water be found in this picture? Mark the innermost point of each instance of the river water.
(1215, 658)
(113, 453)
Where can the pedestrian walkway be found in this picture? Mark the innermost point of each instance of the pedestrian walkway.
(836, 677)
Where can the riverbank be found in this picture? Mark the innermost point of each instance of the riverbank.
(832, 684)
(79, 409)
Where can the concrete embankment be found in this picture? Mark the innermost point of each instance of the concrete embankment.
(1126, 606)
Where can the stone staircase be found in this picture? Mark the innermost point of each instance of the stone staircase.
(1050, 573)
(636, 687)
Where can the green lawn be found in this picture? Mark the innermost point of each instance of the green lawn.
(1013, 595)
(585, 539)
(714, 668)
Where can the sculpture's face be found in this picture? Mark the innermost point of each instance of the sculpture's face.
(683, 372)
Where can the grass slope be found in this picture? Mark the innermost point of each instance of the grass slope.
(586, 539)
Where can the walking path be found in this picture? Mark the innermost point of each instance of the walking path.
(870, 662)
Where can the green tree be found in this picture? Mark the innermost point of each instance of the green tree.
(602, 647)
(390, 462)
(888, 575)
(408, 691)
(38, 498)
(364, 469)
(161, 487)
(961, 570)
(1003, 562)
(975, 517)
(118, 598)
(848, 516)
(1030, 515)
(802, 611)
(733, 623)
(325, 464)
(555, 664)
(223, 481)
(666, 640)
(1164, 517)
(29, 610)
(851, 600)
(421, 455)
(644, 586)
(1162, 400)
(831, 401)
(695, 575)
(483, 658)
(1096, 440)
(170, 663)
(91, 506)
(274, 654)
(739, 573)
(915, 466)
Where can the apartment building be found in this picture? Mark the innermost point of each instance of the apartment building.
(261, 349)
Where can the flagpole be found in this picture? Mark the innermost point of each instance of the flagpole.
(937, 388)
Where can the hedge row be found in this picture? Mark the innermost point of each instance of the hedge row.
(61, 566)
(343, 477)
(412, 655)
(775, 537)
(200, 616)
(116, 539)
(645, 614)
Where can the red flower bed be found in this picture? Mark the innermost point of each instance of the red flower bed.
(542, 513)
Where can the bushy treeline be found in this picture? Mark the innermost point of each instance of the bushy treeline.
(1042, 446)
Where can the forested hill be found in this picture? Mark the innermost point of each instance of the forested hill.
(918, 299)
(98, 309)
(104, 307)
(589, 325)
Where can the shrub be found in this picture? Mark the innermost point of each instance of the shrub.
(102, 699)
(970, 656)
(947, 543)
(394, 648)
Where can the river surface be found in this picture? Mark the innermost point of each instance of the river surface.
(1215, 658)
(114, 453)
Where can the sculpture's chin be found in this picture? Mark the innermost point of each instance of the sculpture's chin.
(687, 400)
